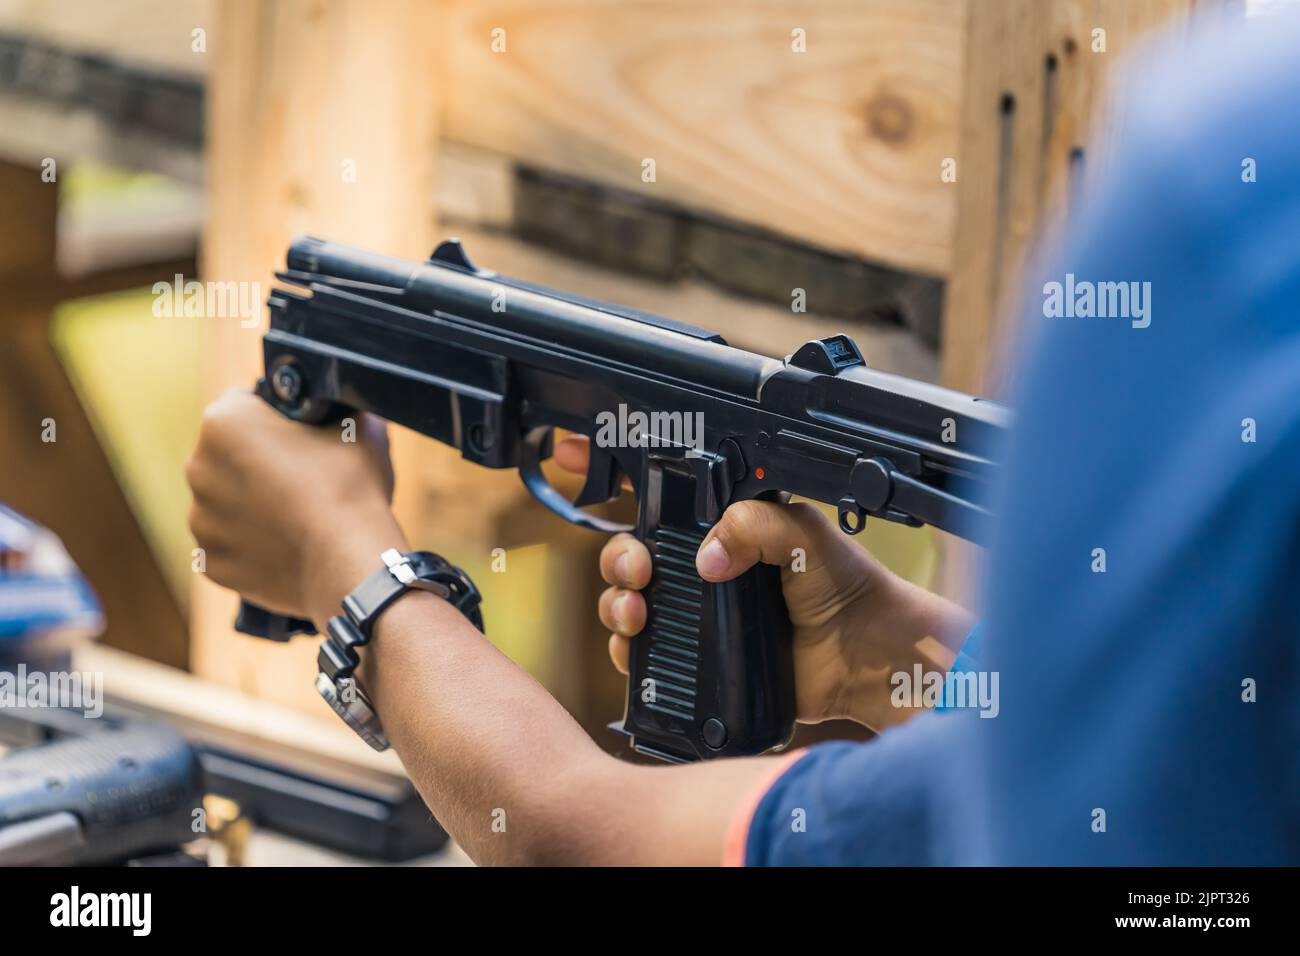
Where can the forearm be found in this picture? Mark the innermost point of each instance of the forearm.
(501, 764)
(496, 758)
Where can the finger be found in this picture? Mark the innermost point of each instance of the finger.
(622, 611)
(205, 531)
(236, 393)
(766, 531)
(198, 475)
(235, 398)
(620, 650)
(573, 453)
(625, 562)
(225, 424)
(218, 411)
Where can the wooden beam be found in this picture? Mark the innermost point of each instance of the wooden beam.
(170, 693)
(151, 34)
(839, 146)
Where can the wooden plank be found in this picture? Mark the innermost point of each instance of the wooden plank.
(317, 87)
(141, 31)
(839, 146)
(148, 685)
(28, 241)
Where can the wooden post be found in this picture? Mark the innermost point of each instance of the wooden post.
(322, 119)
(68, 484)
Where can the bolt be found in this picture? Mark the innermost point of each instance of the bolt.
(287, 383)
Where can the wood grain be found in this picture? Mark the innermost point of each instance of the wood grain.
(839, 146)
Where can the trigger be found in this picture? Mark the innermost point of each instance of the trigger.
(537, 445)
(604, 479)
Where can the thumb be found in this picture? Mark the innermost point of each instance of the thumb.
(770, 532)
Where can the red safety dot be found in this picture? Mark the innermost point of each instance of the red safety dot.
(759, 473)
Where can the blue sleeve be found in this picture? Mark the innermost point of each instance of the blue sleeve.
(858, 804)
(1142, 607)
(882, 803)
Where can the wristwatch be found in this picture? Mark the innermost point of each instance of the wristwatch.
(338, 658)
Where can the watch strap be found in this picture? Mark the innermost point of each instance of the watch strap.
(416, 570)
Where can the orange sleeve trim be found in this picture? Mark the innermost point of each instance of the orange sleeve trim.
(733, 848)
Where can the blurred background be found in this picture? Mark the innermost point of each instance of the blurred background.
(776, 171)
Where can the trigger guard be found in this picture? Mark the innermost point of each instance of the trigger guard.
(530, 470)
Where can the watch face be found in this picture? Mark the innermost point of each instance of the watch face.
(355, 711)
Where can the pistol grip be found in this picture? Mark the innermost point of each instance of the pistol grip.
(712, 673)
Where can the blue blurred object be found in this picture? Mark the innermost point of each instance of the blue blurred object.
(45, 602)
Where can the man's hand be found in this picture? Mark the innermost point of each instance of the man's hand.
(855, 622)
(290, 516)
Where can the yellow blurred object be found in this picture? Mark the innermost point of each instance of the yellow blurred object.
(138, 378)
(228, 827)
(515, 606)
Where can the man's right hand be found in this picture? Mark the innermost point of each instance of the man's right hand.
(855, 622)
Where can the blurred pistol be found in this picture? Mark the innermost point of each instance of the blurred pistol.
(492, 366)
(95, 792)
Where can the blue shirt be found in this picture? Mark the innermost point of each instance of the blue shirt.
(1143, 610)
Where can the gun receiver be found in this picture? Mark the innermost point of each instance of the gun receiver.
(492, 366)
